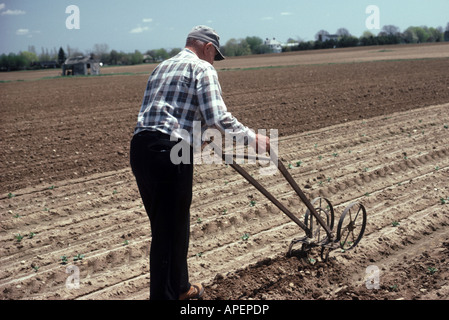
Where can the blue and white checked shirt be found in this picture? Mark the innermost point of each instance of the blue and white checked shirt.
(182, 90)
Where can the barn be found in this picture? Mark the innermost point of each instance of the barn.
(81, 65)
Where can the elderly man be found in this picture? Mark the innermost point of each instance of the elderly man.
(180, 90)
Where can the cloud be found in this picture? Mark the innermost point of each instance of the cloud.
(139, 30)
(286, 13)
(22, 32)
(147, 20)
(2, 6)
(267, 18)
(12, 12)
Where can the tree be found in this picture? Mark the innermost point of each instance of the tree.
(29, 58)
(61, 56)
(236, 47)
(342, 32)
(136, 57)
(319, 35)
(391, 30)
(255, 44)
(101, 51)
(436, 34)
(173, 52)
(347, 41)
(114, 57)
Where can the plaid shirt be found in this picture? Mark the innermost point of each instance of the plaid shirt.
(182, 90)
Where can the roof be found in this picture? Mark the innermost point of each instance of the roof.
(79, 59)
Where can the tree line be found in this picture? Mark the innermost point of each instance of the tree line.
(390, 34)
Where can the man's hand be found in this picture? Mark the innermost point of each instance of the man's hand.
(262, 144)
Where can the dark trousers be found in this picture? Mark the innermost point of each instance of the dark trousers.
(166, 191)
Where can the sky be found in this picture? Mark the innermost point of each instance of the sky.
(147, 24)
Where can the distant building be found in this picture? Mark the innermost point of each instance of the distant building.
(81, 66)
(327, 37)
(274, 45)
(277, 47)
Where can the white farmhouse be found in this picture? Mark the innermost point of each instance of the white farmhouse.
(274, 45)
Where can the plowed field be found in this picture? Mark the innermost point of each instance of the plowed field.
(374, 131)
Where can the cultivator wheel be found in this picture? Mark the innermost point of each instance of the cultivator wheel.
(351, 226)
(325, 211)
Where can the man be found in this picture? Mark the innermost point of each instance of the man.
(180, 90)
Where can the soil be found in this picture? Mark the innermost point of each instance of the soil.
(375, 131)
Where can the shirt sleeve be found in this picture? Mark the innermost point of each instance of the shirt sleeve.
(214, 109)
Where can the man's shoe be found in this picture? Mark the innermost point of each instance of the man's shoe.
(196, 291)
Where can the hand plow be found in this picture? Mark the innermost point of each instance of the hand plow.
(319, 218)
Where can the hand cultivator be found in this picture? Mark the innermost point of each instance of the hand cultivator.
(319, 218)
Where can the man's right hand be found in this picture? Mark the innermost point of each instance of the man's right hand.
(262, 144)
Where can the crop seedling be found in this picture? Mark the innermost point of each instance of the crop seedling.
(11, 195)
(395, 223)
(245, 237)
(444, 201)
(431, 270)
(18, 237)
(78, 257)
(394, 288)
(252, 203)
(64, 260)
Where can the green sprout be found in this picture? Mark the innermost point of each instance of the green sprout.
(78, 257)
(431, 270)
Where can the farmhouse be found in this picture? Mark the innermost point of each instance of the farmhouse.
(81, 65)
(274, 45)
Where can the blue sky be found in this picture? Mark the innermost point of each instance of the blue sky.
(148, 24)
